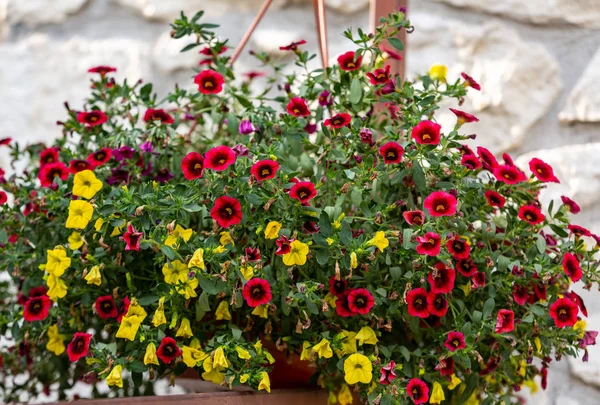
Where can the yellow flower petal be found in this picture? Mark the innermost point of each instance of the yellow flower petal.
(272, 230)
(323, 349)
(94, 276)
(297, 254)
(80, 214)
(222, 312)
(379, 240)
(150, 356)
(85, 184)
(185, 330)
(114, 378)
(358, 368)
(437, 394)
(265, 382)
(366, 335)
(219, 359)
(197, 260)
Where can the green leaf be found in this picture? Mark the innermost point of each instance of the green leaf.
(137, 366)
(324, 224)
(419, 176)
(138, 378)
(528, 318)
(188, 47)
(404, 351)
(322, 256)
(169, 252)
(406, 235)
(559, 231)
(396, 43)
(540, 243)
(356, 196)
(488, 307)
(355, 91)
(395, 272)
(236, 332)
(311, 306)
(197, 16)
(148, 299)
(350, 174)
(203, 302)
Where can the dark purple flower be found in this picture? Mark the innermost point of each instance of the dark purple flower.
(589, 339)
(325, 99)
(163, 176)
(240, 150)
(119, 176)
(366, 136)
(246, 127)
(124, 152)
(310, 128)
(146, 147)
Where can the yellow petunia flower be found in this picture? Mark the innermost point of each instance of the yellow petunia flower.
(188, 290)
(353, 260)
(437, 394)
(337, 224)
(85, 184)
(226, 239)
(192, 356)
(150, 355)
(185, 330)
(438, 72)
(247, 272)
(175, 272)
(258, 346)
(159, 316)
(265, 382)
(94, 276)
(580, 327)
(330, 241)
(455, 382)
(98, 224)
(222, 312)
(262, 311)
(366, 335)
(242, 353)
(114, 378)
(56, 287)
(212, 373)
(131, 321)
(219, 359)
(297, 254)
(178, 232)
(116, 231)
(473, 400)
(219, 249)
(358, 368)
(75, 240)
(55, 341)
(244, 378)
(323, 349)
(538, 344)
(345, 396)
(348, 343)
(307, 353)
(197, 260)
(57, 261)
(272, 230)
(80, 214)
(379, 240)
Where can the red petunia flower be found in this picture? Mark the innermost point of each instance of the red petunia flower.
(132, 238)
(466, 267)
(437, 304)
(509, 174)
(387, 373)
(417, 302)
(360, 301)
(293, 46)
(487, 158)
(470, 82)
(303, 191)
(36, 308)
(264, 169)
(379, 76)
(192, 166)
(106, 307)
(227, 211)
(253, 74)
(347, 61)
(429, 244)
(257, 291)
(571, 205)
(102, 70)
(391, 54)
(415, 217)
(297, 107)
(564, 312)
(52, 170)
(542, 170)
(446, 367)
(3, 198)
(124, 308)
(168, 350)
(494, 199)
(208, 51)
(426, 133)
(441, 279)
(48, 155)
(76, 166)
(571, 267)
(158, 115)
(100, 157)
(219, 158)
(579, 231)
(418, 391)
(463, 117)
(252, 254)
(455, 341)
(209, 82)
(573, 296)
(440, 203)
(92, 118)
(505, 321)
(342, 306)
(520, 294)
(471, 162)
(458, 248)
(531, 214)
(5, 141)
(478, 280)
(339, 288)
(283, 245)
(79, 346)
(338, 120)
(391, 152)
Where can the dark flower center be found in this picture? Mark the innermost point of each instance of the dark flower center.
(100, 156)
(391, 154)
(197, 166)
(107, 306)
(257, 292)
(360, 302)
(350, 64)
(265, 171)
(426, 137)
(169, 349)
(35, 307)
(209, 83)
(440, 207)
(339, 286)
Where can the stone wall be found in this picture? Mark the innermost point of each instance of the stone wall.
(537, 61)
